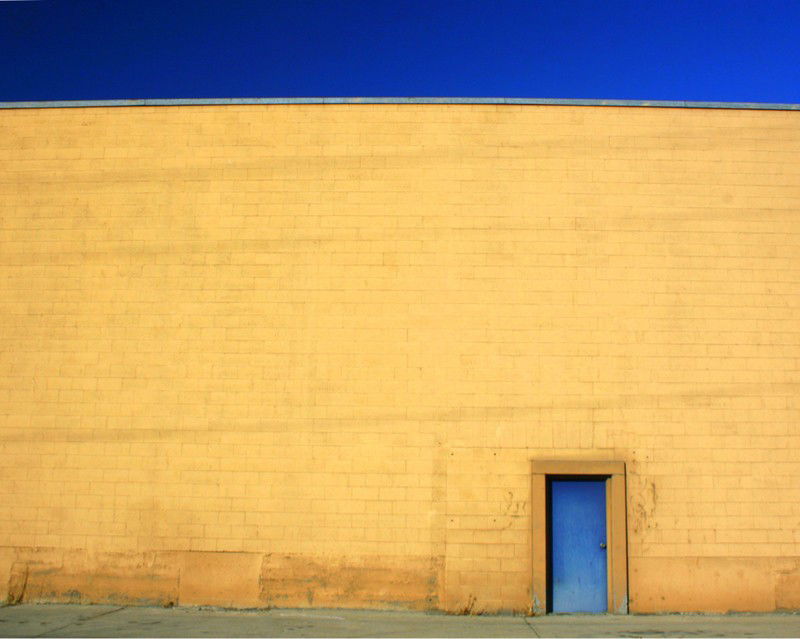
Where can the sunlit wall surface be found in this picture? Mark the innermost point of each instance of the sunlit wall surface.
(303, 355)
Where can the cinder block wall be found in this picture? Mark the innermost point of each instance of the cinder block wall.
(302, 355)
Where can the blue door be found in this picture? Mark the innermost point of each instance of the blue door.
(578, 545)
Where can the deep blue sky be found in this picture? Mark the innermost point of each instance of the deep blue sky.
(727, 50)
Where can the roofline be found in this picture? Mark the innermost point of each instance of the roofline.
(675, 104)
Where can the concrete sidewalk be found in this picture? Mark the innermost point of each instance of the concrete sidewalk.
(52, 620)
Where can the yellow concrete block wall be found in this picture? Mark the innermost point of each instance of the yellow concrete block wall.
(302, 355)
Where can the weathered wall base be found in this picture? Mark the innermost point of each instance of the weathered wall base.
(77, 576)
(714, 584)
(254, 580)
(366, 583)
(228, 579)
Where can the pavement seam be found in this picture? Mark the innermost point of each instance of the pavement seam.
(102, 614)
(533, 630)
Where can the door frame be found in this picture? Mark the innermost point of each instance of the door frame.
(616, 528)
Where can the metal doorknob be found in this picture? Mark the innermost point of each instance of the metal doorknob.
(602, 544)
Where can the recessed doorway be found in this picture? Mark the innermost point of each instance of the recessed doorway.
(579, 541)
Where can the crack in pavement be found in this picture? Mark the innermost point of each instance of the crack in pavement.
(528, 623)
(72, 623)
